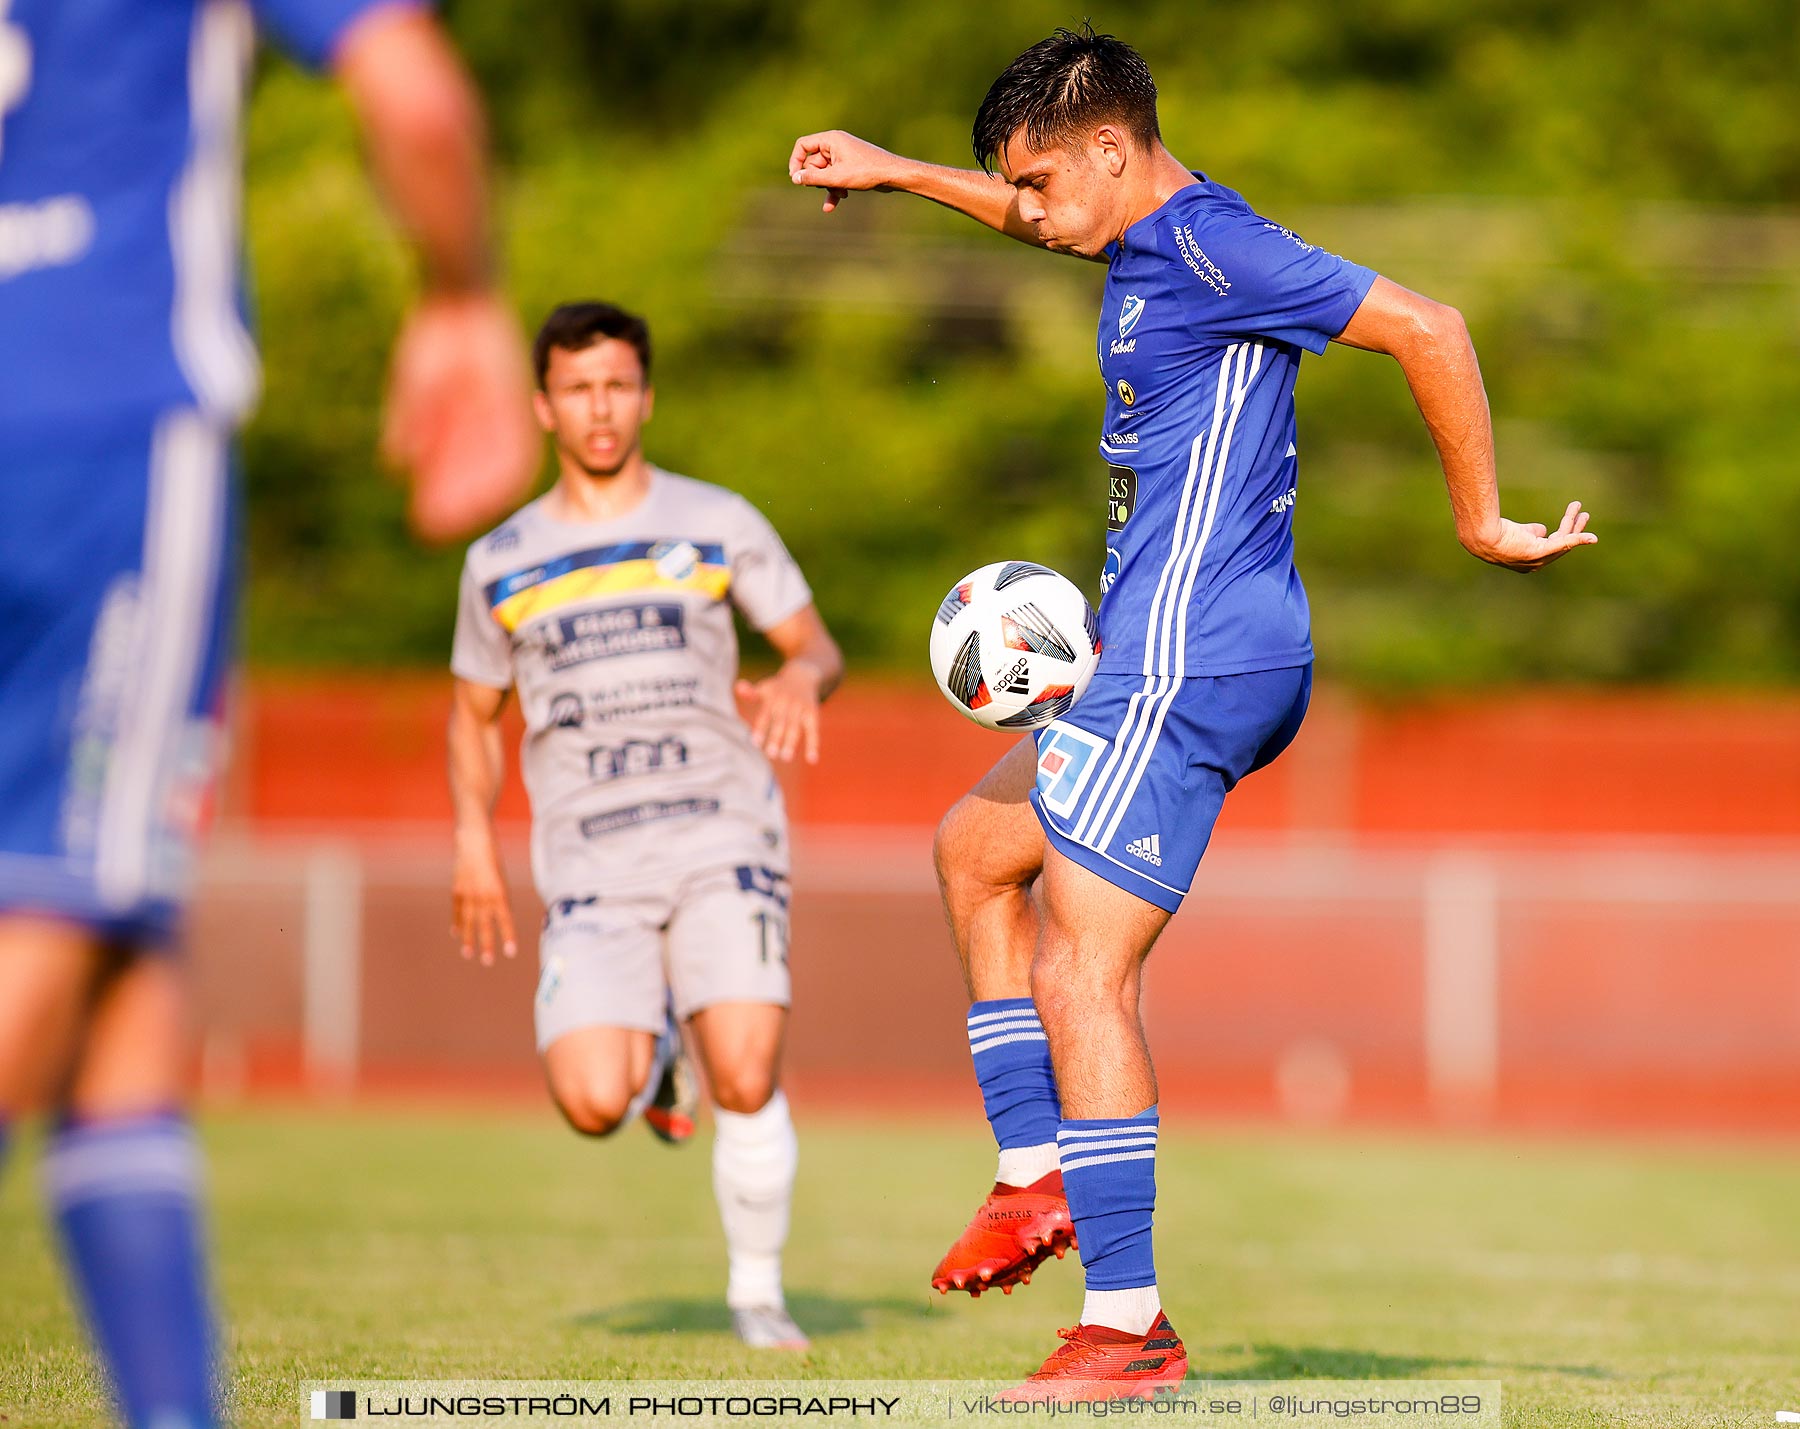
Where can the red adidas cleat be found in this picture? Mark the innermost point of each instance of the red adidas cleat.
(1016, 1230)
(1096, 1363)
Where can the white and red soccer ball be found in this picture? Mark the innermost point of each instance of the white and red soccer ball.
(1014, 644)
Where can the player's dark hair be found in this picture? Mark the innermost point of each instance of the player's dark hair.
(575, 326)
(1064, 87)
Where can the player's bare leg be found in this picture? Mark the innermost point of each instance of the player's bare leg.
(755, 1154)
(1087, 978)
(596, 1073)
(98, 1036)
(48, 970)
(989, 853)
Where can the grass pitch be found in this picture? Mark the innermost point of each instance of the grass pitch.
(1652, 1285)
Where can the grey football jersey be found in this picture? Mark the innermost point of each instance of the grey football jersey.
(618, 636)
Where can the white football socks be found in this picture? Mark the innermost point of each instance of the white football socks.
(1022, 1165)
(754, 1157)
(1133, 1311)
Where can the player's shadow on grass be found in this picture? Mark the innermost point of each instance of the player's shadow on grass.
(818, 1315)
(1315, 1362)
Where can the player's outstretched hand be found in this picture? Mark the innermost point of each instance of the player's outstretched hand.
(838, 162)
(1532, 547)
(481, 913)
(458, 416)
(784, 712)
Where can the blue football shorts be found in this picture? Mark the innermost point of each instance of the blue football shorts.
(1131, 780)
(116, 584)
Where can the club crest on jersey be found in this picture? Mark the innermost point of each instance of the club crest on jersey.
(675, 560)
(1067, 758)
(1129, 312)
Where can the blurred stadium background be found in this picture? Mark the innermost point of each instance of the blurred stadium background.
(1536, 858)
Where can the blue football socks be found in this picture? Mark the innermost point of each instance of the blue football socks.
(1109, 1175)
(1018, 1088)
(125, 1194)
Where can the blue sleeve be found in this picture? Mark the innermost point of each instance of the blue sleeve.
(1255, 278)
(310, 30)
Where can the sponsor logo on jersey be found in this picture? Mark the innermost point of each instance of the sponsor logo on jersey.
(50, 233)
(1067, 758)
(638, 697)
(1121, 439)
(1109, 571)
(614, 630)
(635, 756)
(1121, 496)
(503, 540)
(1148, 848)
(598, 825)
(1292, 237)
(769, 882)
(1127, 393)
(1285, 501)
(566, 711)
(1129, 312)
(1192, 254)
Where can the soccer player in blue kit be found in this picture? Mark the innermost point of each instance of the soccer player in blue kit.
(1207, 661)
(125, 363)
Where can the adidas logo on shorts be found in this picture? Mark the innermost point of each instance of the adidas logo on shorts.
(1148, 848)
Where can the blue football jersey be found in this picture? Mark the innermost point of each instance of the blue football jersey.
(119, 149)
(1207, 308)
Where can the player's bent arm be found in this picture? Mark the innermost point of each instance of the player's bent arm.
(481, 915)
(457, 415)
(838, 162)
(803, 642)
(426, 140)
(784, 708)
(1431, 343)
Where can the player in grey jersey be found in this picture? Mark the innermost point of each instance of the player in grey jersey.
(658, 840)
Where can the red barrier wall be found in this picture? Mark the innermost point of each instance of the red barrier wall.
(1644, 929)
(370, 749)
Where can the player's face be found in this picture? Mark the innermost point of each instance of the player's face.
(594, 404)
(1068, 194)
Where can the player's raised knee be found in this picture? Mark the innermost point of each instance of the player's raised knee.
(593, 1107)
(744, 1091)
(949, 846)
(964, 853)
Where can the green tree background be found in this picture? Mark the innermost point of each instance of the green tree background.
(1608, 190)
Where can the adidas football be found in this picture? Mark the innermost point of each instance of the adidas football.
(1014, 644)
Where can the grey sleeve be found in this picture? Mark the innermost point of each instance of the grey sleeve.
(766, 583)
(482, 650)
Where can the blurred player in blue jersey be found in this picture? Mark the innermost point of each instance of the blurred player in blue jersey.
(124, 366)
(1208, 653)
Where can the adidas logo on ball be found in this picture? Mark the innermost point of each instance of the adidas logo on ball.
(1016, 681)
(1148, 848)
